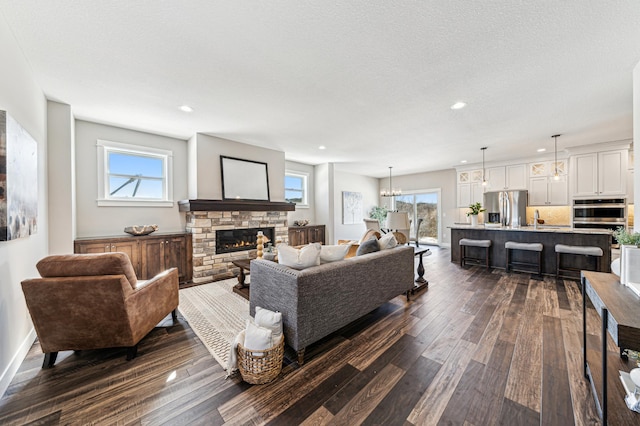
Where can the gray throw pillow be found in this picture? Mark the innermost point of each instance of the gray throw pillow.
(368, 246)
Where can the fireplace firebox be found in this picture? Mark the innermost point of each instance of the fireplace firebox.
(240, 239)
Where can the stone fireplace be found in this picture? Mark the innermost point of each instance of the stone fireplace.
(205, 218)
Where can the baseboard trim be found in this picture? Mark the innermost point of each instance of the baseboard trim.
(445, 245)
(14, 365)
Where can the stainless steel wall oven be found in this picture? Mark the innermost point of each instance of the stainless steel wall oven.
(600, 213)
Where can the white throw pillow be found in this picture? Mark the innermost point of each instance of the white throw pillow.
(305, 257)
(257, 338)
(333, 253)
(271, 320)
(387, 241)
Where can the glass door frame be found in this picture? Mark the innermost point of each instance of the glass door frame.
(438, 192)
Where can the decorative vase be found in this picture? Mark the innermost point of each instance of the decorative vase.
(474, 220)
(259, 245)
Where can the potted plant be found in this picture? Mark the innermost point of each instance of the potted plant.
(378, 213)
(474, 210)
(629, 255)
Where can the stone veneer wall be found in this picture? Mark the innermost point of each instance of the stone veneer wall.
(209, 266)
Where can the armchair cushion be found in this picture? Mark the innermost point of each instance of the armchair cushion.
(77, 265)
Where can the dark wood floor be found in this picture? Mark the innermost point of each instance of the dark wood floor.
(476, 348)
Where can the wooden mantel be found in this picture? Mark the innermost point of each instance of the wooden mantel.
(234, 205)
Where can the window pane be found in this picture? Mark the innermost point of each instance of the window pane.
(293, 182)
(125, 187)
(293, 196)
(129, 164)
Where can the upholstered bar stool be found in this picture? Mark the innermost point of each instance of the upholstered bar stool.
(535, 247)
(595, 252)
(467, 242)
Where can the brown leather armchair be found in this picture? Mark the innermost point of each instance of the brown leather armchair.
(92, 301)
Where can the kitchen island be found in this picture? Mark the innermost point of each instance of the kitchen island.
(549, 236)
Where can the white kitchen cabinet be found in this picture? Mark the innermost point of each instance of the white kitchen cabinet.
(544, 190)
(507, 177)
(470, 187)
(630, 186)
(600, 173)
(469, 193)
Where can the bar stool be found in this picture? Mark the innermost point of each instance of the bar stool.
(512, 245)
(595, 252)
(467, 242)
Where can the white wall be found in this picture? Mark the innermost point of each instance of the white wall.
(23, 99)
(443, 179)
(301, 213)
(324, 199)
(206, 182)
(108, 221)
(368, 186)
(636, 144)
(61, 177)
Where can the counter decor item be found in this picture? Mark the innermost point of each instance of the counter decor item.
(302, 222)
(269, 252)
(137, 230)
(474, 210)
(629, 258)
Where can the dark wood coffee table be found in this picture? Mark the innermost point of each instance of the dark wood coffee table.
(242, 288)
(244, 265)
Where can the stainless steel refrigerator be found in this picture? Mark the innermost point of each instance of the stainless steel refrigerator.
(508, 208)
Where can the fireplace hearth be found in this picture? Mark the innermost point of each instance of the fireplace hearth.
(240, 239)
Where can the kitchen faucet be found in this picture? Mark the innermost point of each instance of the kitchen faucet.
(536, 216)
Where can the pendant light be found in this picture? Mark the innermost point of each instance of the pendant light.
(392, 192)
(484, 181)
(556, 175)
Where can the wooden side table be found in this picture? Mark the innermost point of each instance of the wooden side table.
(618, 308)
(420, 282)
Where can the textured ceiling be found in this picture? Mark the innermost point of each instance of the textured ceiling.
(370, 80)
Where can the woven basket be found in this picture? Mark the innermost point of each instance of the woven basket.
(259, 367)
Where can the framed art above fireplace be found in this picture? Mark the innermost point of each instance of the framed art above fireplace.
(244, 179)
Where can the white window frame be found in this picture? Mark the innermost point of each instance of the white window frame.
(105, 200)
(305, 186)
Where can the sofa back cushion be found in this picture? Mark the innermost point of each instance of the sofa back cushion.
(387, 241)
(369, 246)
(333, 253)
(76, 265)
(301, 258)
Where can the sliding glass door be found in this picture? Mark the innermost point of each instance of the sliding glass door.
(423, 205)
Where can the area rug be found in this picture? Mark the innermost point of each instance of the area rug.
(216, 314)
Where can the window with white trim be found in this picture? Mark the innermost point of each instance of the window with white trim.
(132, 175)
(296, 188)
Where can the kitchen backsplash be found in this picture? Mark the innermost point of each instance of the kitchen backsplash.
(556, 215)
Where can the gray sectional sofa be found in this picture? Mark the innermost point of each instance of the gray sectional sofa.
(319, 300)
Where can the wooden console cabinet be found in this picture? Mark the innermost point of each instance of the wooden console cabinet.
(301, 235)
(149, 254)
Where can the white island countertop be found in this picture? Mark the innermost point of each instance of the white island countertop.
(539, 228)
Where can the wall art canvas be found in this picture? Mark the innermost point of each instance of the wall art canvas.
(18, 180)
(351, 207)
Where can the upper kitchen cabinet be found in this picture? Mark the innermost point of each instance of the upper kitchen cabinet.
(469, 187)
(600, 173)
(544, 189)
(511, 177)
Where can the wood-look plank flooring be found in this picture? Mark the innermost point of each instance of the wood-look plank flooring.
(476, 348)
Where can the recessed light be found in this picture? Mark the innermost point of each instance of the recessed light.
(322, 147)
(459, 105)
(463, 161)
(186, 108)
(542, 149)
